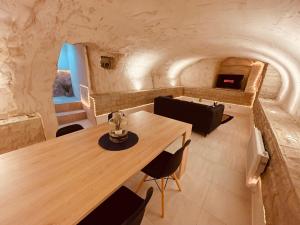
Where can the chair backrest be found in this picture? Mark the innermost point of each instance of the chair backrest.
(173, 163)
(68, 129)
(137, 217)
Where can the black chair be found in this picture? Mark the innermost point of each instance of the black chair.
(68, 129)
(163, 167)
(123, 207)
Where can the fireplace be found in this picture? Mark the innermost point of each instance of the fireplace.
(231, 81)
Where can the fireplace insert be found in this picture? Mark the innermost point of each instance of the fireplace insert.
(232, 81)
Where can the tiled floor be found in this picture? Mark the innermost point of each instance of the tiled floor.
(214, 191)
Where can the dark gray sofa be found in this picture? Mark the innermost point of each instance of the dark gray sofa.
(204, 118)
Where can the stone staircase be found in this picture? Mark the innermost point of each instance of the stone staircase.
(69, 112)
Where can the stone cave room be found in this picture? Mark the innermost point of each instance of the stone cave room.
(152, 112)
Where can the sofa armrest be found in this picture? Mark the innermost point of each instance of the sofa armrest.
(217, 112)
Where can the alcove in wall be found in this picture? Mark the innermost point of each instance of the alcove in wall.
(71, 86)
(66, 85)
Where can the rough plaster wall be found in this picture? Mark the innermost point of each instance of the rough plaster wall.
(204, 73)
(271, 84)
(296, 115)
(6, 84)
(201, 74)
(31, 60)
(175, 33)
(131, 71)
(123, 76)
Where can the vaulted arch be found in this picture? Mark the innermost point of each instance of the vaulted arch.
(154, 41)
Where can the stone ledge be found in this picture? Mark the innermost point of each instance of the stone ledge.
(287, 133)
(222, 95)
(20, 131)
(109, 102)
(281, 180)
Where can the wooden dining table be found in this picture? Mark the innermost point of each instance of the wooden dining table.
(60, 181)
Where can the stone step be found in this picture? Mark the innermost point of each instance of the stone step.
(84, 123)
(70, 116)
(67, 107)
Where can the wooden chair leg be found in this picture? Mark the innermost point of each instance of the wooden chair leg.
(141, 183)
(162, 197)
(177, 182)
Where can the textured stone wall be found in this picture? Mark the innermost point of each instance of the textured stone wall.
(201, 74)
(151, 36)
(280, 181)
(271, 84)
(21, 131)
(109, 102)
(130, 72)
(218, 94)
(204, 73)
(200, 79)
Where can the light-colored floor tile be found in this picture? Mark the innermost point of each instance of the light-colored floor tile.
(200, 168)
(146, 221)
(231, 180)
(195, 189)
(214, 191)
(227, 206)
(206, 218)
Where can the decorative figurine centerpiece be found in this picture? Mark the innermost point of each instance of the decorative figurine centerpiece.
(118, 127)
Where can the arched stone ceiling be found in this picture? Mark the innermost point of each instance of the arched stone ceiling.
(175, 33)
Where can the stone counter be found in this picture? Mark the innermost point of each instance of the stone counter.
(221, 95)
(109, 102)
(281, 180)
(20, 131)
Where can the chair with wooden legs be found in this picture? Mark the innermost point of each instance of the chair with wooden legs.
(163, 167)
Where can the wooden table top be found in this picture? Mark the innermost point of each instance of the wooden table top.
(61, 180)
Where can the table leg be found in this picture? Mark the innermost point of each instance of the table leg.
(162, 197)
(186, 135)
